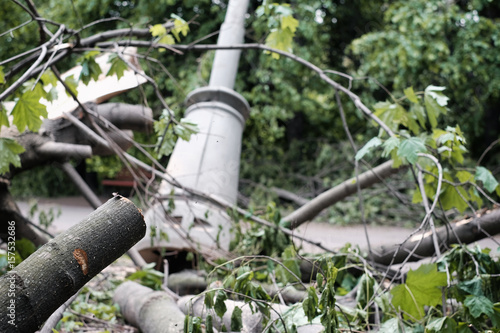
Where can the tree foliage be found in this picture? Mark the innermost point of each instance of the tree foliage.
(447, 47)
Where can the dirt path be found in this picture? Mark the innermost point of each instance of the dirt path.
(75, 209)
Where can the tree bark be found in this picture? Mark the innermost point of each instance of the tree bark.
(46, 279)
(151, 311)
(9, 211)
(468, 230)
(339, 192)
(290, 196)
(127, 116)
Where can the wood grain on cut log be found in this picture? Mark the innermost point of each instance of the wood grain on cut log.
(151, 311)
(46, 279)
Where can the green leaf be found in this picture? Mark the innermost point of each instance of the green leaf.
(209, 326)
(25, 247)
(157, 30)
(310, 304)
(374, 142)
(27, 112)
(219, 306)
(390, 326)
(180, 27)
(464, 176)
(410, 147)
(51, 95)
(90, 68)
(4, 118)
(72, 84)
(422, 288)
(48, 77)
(236, 320)
(410, 94)
(118, 66)
(289, 22)
(209, 299)
(435, 103)
(366, 288)
(389, 145)
(280, 39)
(472, 287)
(450, 198)
(495, 318)
(478, 305)
(394, 115)
(484, 175)
(474, 196)
(166, 39)
(2, 75)
(185, 129)
(434, 92)
(418, 111)
(9, 154)
(443, 324)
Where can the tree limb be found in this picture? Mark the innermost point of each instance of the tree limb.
(47, 278)
(468, 231)
(339, 192)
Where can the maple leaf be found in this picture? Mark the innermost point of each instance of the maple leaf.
(28, 111)
(4, 120)
(180, 27)
(410, 147)
(422, 288)
(157, 30)
(281, 40)
(118, 66)
(90, 68)
(289, 22)
(9, 154)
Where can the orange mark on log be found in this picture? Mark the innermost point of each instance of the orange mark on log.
(82, 259)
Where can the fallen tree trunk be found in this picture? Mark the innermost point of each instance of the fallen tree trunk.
(339, 192)
(151, 311)
(186, 282)
(466, 231)
(32, 291)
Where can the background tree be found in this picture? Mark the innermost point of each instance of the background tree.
(300, 138)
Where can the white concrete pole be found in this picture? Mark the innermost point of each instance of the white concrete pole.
(210, 161)
(225, 66)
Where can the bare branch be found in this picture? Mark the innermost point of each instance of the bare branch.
(15, 28)
(32, 70)
(466, 231)
(339, 192)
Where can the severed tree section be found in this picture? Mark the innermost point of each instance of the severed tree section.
(51, 275)
(151, 311)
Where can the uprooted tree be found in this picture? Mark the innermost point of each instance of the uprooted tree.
(257, 270)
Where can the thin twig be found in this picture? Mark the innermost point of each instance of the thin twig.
(486, 151)
(24, 77)
(31, 70)
(57, 315)
(356, 170)
(15, 28)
